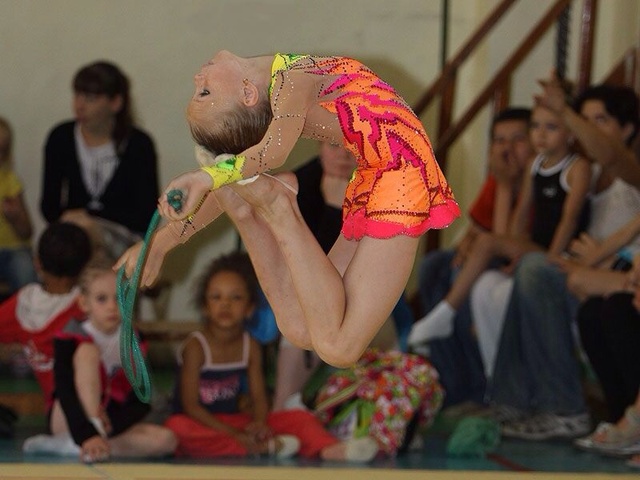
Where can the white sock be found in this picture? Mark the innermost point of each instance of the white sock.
(438, 323)
(61, 444)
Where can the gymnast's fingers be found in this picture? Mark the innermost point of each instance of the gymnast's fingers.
(129, 259)
(151, 272)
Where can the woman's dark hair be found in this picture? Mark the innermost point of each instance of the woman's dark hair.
(104, 78)
(236, 262)
(619, 101)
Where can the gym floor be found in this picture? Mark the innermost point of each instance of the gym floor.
(514, 456)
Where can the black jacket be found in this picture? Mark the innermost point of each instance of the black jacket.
(129, 199)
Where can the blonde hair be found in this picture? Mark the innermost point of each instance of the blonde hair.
(234, 131)
(96, 268)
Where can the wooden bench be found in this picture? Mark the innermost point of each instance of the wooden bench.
(167, 331)
(21, 393)
(163, 338)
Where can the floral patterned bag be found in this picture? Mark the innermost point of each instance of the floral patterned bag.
(379, 397)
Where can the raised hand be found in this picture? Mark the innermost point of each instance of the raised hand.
(584, 249)
(193, 185)
(553, 94)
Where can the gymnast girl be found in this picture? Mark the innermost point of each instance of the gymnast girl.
(246, 115)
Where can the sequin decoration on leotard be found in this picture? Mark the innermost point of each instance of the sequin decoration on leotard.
(282, 61)
(398, 187)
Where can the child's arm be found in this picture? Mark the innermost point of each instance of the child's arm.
(464, 245)
(579, 180)
(257, 386)
(522, 212)
(16, 213)
(509, 176)
(503, 208)
(192, 361)
(498, 190)
(609, 152)
(590, 253)
(80, 427)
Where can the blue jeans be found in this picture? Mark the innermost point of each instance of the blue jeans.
(456, 358)
(16, 267)
(403, 320)
(537, 368)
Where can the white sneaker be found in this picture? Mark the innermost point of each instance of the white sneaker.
(62, 445)
(587, 443)
(294, 402)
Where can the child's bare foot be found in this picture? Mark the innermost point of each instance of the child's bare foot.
(354, 450)
(283, 446)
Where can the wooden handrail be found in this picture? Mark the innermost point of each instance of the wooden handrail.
(626, 71)
(447, 131)
(451, 67)
(503, 75)
(498, 89)
(587, 30)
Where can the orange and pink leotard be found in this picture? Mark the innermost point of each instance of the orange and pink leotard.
(397, 187)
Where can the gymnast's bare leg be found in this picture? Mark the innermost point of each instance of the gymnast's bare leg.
(345, 297)
(269, 265)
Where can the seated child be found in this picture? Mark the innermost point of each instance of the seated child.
(552, 208)
(96, 413)
(16, 262)
(221, 400)
(38, 311)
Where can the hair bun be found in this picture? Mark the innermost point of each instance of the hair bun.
(205, 158)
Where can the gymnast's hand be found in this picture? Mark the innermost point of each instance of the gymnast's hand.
(152, 266)
(193, 186)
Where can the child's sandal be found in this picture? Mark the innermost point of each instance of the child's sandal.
(589, 443)
(609, 439)
(634, 462)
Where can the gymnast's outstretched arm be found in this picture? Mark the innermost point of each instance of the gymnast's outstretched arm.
(166, 238)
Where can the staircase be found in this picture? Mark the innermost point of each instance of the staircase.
(496, 94)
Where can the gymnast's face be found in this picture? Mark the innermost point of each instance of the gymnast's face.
(218, 86)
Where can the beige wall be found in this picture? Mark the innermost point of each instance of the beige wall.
(161, 43)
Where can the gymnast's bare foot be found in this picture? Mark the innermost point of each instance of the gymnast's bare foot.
(270, 195)
(233, 204)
